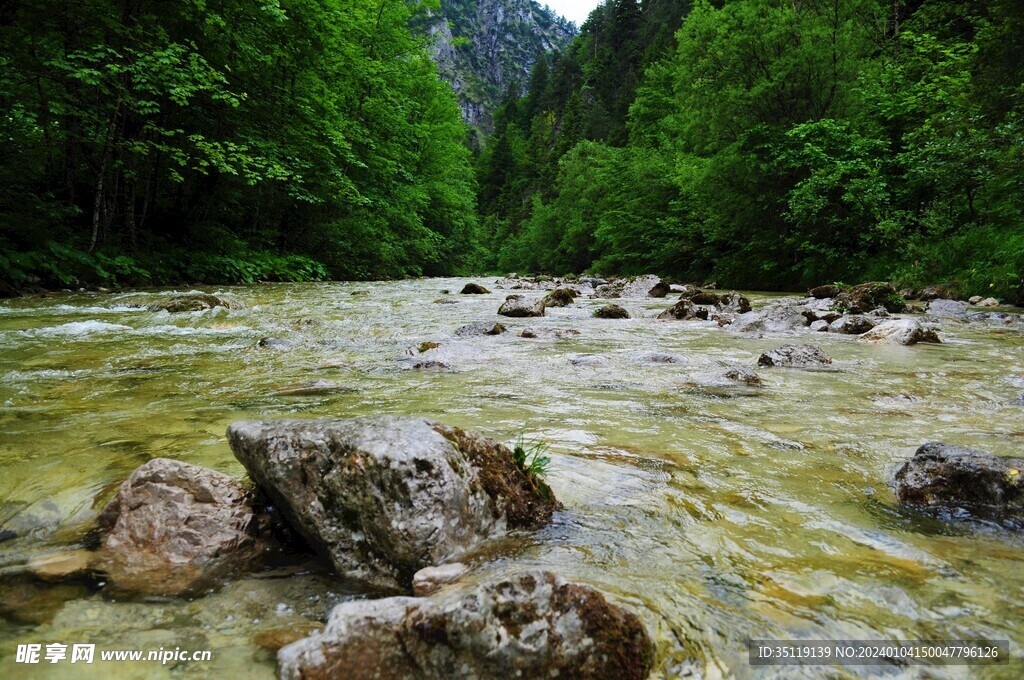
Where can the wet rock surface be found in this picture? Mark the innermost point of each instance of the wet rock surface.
(194, 303)
(945, 476)
(774, 319)
(901, 332)
(851, 325)
(474, 289)
(521, 306)
(795, 356)
(638, 287)
(953, 308)
(560, 297)
(431, 579)
(176, 529)
(532, 624)
(481, 328)
(384, 497)
(825, 292)
(611, 312)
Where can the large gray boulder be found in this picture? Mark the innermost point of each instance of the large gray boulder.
(951, 308)
(948, 476)
(795, 356)
(900, 332)
(529, 625)
(384, 497)
(177, 529)
(521, 306)
(851, 325)
(774, 319)
(636, 287)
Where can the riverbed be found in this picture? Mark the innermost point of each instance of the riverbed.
(716, 515)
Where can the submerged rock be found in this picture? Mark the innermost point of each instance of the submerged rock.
(62, 566)
(275, 343)
(176, 529)
(385, 497)
(663, 358)
(520, 306)
(948, 476)
(611, 312)
(590, 360)
(795, 356)
(530, 625)
(901, 332)
(952, 308)
(474, 289)
(431, 365)
(482, 328)
(431, 579)
(316, 388)
(553, 333)
(194, 303)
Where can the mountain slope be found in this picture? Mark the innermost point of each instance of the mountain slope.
(485, 46)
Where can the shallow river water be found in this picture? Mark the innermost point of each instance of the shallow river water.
(716, 516)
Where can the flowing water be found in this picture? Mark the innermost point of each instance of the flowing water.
(717, 516)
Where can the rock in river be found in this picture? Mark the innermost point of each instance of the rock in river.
(175, 529)
(795, 356)
(474, 289)
(825, 292)
(638, 287)
(900, 332)
(851, 325)
(685, 310)
(480, 328)
(948, 476)
(520, 306)
(952, 308)
(531, 624)
(194, 303)
(774, 319)
(385, 497)
(560, 297)
(611, 312)
(431, 579)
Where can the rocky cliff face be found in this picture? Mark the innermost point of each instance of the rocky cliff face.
(484, 46)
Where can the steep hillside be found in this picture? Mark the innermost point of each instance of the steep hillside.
(484, 46)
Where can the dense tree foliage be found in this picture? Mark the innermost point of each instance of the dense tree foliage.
(230, 140)
(771, 144)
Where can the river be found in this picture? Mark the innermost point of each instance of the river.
(716, 515)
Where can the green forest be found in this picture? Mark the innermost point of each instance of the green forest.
(764, 144)
(228, 141)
